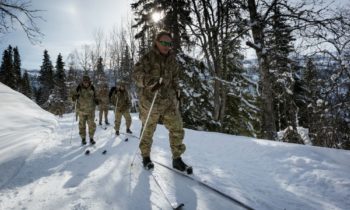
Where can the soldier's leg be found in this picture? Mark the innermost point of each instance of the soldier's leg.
(100, 115)
(82, 125)
(91, 124)
(118, 119)
(173, 122)
(106, 114)
(127, 119)
(146, 141)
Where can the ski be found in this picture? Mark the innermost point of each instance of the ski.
(104, 127)
(206, 186)
(174, 204)
(129, 134)
(92, 148)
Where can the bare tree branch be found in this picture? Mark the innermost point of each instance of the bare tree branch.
(14, 13)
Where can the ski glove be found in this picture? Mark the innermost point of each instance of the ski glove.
(178, 95)
(97, 101)
(112, 91)
(157, 85)
(75, 97)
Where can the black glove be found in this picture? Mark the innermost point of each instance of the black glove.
(178, 95)
(75, 97)
(111, 91)
(157, 85)
(97, 102)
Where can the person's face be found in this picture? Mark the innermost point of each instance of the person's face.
(86, 83)
(164, 44)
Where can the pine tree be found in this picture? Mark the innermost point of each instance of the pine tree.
(26, 86)
(279, 42)
(242, 111)
(8, 76)
(196, 92)
(46, 80)
(306, 99)
(125, 66)
(17, 68)
(60, 78)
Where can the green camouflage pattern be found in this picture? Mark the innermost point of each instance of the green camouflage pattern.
(103, 106)
(118, 119)
(86, 110)
(121, 99)
(89, 120)
(147, 72)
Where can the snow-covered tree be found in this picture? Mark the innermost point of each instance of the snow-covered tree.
(26, 86)
(7, 73)
(17, 68)
(46, 79)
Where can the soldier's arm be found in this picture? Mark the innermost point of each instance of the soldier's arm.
(128, 102)
(176, 79)
(141, 75)
(76, 94)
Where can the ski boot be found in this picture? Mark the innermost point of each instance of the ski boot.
(181, 166)
(147, 163)
(107, 123)
(117, 133)
(92, 142)
(100, 123)
(128, 131)
(83, 141)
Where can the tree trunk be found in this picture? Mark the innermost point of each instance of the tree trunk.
(268, 115)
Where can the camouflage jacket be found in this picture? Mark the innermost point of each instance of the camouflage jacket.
(86, 99)
(123, 99)
(148, 70)
(102, 96)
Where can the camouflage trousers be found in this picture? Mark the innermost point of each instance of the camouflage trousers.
(172, 121)
(89, 120)
(118, 119)
(103, 111)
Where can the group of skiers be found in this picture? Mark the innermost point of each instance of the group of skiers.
(156, 76)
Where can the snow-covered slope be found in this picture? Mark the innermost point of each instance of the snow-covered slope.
(57, 175)
(23, 126)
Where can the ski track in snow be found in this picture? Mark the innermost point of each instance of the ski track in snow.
(59, 176)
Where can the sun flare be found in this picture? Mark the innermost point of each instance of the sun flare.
(157, 16)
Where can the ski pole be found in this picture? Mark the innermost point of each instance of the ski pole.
(148, 115)
(115, 110)
(75, 111)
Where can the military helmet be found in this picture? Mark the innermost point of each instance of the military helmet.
(86, 78)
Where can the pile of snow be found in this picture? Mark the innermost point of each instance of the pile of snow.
(57, 175)
(23, 126)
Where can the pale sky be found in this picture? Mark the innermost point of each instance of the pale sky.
(69, 24)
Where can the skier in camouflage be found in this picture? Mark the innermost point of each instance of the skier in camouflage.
(86, 104)
(157, 73)
(120, 98)
(103, 104)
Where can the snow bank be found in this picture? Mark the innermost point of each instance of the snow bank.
(23, 126)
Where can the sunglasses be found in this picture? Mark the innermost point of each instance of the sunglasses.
(165, 43)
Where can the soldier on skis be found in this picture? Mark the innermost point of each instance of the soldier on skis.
(121, 100)
(103, 103)
(156, 76)
(86, 104)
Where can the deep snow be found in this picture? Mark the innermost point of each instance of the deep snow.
(43, 166)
